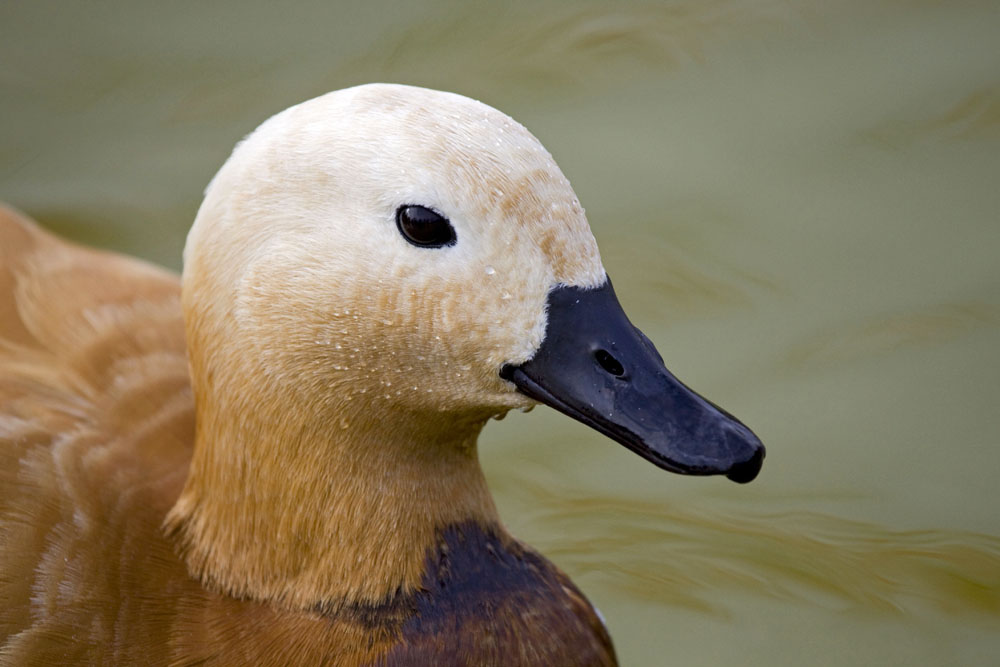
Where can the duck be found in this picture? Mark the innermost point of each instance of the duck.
(272, 459)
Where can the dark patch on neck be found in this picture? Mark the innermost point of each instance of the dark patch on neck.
(470, 568)
(486, 599)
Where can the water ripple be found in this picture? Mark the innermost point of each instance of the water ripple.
(695, 558)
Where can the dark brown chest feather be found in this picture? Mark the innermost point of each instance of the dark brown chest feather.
(487, 600)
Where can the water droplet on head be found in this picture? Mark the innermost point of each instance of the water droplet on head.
(490, 270)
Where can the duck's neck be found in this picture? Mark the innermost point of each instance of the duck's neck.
(307, 511)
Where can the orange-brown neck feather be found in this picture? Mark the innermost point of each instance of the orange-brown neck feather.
(309, 511)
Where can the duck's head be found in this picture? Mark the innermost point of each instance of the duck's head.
(394, 250)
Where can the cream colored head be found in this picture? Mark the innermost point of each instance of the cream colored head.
(341, 373)
(296, 276)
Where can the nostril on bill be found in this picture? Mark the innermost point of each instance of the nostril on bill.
(609, 363)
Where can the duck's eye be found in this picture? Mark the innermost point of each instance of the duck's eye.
(423, 227)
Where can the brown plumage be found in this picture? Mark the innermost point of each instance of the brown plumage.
(96, 435)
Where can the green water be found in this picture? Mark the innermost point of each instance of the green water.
(799, 202)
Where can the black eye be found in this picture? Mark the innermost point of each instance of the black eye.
(423, 227)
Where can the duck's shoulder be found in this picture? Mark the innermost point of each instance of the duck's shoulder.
(488, 599)
(93, 366)
(96, 420)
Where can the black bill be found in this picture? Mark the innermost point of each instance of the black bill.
(599, 369)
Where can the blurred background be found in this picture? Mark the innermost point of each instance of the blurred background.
(799, 203)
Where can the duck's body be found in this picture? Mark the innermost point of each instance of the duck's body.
(274, 460)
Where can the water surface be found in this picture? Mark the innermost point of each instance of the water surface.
(798, 202)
